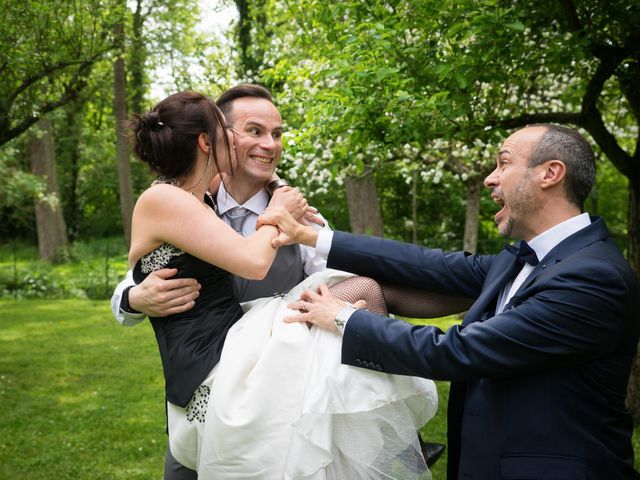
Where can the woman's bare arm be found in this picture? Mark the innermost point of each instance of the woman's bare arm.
(165, 213)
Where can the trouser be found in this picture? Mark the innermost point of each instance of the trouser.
(173, 470)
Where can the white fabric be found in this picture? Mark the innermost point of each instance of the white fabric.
(323, 243)
(283, 406)
(542, 244)
(126, 319)
(184, 434)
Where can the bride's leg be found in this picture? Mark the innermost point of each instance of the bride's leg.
(415, 303)
(361, 288)
(399, 300)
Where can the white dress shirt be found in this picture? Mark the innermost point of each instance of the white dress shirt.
(542, 244)
(257, 204)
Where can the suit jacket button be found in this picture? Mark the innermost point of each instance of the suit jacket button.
(378, 367)
(358, 362)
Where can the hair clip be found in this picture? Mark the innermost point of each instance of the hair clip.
(160, 124)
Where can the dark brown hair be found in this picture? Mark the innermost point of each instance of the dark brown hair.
(225, 101)
(167, 137)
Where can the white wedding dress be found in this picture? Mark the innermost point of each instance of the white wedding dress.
(282, 406)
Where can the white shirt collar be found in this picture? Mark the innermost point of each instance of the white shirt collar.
(256, 204)
(543, 243)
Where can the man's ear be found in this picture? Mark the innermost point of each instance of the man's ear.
(554, 171)
(203, 143)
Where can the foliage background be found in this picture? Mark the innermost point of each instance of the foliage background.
(415, 95)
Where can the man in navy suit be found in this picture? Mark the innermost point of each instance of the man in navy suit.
(540, 364)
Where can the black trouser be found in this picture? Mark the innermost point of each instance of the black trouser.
(173, 470)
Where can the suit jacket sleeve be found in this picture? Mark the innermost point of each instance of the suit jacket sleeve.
(581, 310)
(458, 273)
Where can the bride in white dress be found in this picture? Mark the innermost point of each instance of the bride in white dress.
(282, 405)
(249, 396)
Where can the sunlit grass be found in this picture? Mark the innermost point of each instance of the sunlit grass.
(82, 398)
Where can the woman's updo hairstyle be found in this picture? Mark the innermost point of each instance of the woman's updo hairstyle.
(167, 137)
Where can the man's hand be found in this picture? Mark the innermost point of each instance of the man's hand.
(319, 308)
(160, 295)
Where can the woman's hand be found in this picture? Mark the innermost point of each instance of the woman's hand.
(291, 199)
(290, 230)
(297, 205)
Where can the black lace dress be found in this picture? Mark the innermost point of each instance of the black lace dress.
(190, 343)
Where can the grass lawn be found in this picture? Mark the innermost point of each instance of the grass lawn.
(82, 398)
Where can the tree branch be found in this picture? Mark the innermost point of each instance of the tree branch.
(47, 71)
(592, 123)
(571, 14)
(605, 70)
(71, 91)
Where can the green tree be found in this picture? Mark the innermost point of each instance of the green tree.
(377, 83)
(47, 52)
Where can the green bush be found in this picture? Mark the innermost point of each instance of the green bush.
(91, 270)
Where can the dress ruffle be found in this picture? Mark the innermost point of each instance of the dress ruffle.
(282, 405)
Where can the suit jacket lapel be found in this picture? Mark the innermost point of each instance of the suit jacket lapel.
(506, 267)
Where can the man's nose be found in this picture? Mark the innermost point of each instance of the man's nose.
(268, 142)
(492, 179)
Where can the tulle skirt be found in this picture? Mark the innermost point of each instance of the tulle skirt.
(282, 406)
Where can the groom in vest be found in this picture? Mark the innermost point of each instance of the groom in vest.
(257, 128)
(539, 366)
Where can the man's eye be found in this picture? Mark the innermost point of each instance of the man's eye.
(277, 136)
(254, 131)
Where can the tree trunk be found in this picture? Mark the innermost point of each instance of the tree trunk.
(365, 214)
(633, 256)
(251, 21)
(472, 214)
(68, 157)
(633, 225)
(414, 207)
(138, 56)
(122, 144)
(52, 232)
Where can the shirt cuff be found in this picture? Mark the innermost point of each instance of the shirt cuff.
(343, 316)
(323, 244)
(129, 319)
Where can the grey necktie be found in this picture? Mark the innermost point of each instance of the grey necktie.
(237, 216)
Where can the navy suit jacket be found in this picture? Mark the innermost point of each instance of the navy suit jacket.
(537, 391)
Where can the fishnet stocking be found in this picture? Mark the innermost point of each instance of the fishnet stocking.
(415, 303)
(361, 288)
(399, 300)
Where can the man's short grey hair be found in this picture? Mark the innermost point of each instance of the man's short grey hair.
(571, 148)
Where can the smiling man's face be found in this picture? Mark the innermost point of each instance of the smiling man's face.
(257, 129)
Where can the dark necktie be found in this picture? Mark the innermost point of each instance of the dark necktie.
(523, 253)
